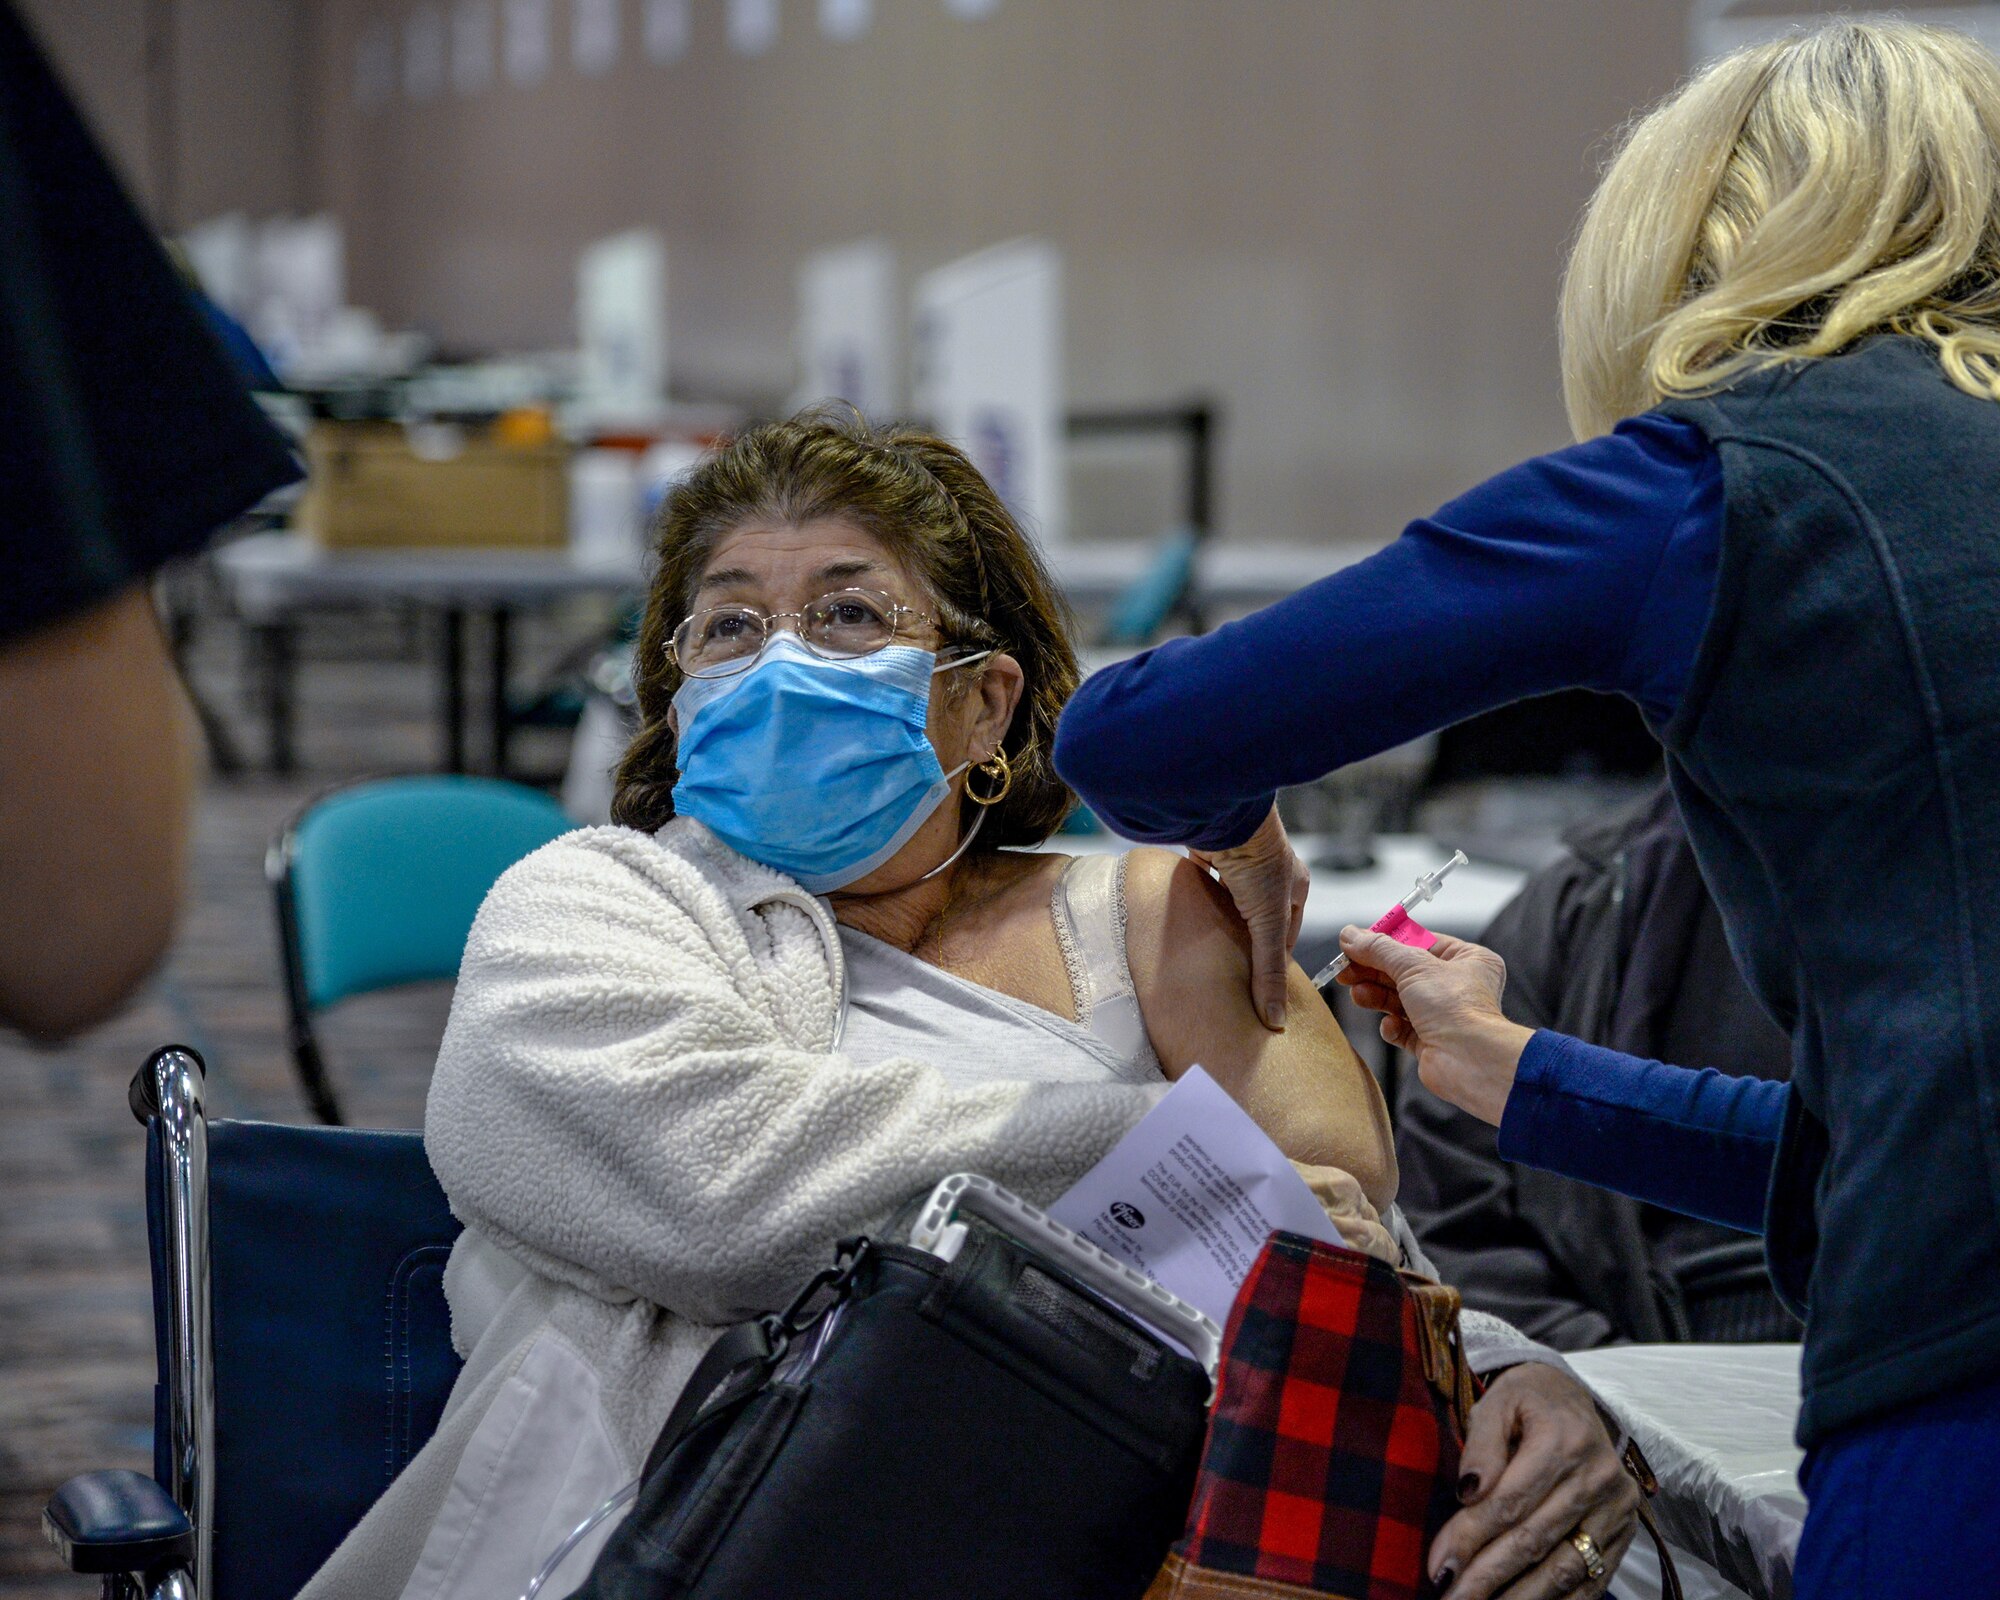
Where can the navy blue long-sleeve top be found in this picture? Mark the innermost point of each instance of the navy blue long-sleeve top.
(1593, 567)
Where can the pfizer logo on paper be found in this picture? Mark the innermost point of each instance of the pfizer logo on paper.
(1127, 1215)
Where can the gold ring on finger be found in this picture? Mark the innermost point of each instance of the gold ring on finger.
(1593, 1558)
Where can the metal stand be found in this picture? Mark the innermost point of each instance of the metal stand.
(1198, 424)
(453, 683)
(277, 652)
(169, 1087)
(501, 669)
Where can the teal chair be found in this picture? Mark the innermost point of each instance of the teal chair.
(1167, 585)
(377, 885)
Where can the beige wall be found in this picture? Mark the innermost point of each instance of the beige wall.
(219, 122)
(1344, 218)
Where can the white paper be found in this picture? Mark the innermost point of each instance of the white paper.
(850, 316)
(1190, 1195)
(621, 317)
(989, 372)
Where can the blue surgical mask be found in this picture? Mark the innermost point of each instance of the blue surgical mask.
(818, 768)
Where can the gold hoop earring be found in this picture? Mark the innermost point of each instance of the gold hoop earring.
(1003, 779)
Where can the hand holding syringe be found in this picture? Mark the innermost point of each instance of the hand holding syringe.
(1397, 923)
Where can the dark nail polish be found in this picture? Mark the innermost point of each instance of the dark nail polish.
(1468, 1486)
(1444, 1577)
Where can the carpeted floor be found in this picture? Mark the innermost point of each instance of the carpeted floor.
(76, 1363)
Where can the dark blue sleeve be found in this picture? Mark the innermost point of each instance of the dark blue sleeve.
(1589, 568)
(1700, 1143)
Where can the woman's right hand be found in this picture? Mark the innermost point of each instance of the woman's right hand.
(1350, 1211)
(1443, 1006)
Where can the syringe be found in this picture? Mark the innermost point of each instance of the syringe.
(1398, 918)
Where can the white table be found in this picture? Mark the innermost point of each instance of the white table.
(1716, 1423)
(272, 573)
(1466, 902)
(272, 577)
(275, 572)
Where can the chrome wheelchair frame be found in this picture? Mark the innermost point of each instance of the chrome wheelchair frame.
(145, 1538)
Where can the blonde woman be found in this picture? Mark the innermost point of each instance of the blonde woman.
(1781, 330)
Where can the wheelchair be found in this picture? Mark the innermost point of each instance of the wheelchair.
(303, 1348)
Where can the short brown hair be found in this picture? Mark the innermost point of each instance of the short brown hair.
(934, 512)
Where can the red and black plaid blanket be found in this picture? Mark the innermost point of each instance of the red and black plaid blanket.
(1333, 1446)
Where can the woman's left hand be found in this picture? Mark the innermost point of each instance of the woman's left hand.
(1538, 1468)
(1268, 882)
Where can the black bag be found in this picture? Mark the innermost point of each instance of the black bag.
(917, 1430)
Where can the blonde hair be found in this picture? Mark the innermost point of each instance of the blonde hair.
(1791, 198)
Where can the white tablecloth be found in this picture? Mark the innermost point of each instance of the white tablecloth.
(1716, 1422)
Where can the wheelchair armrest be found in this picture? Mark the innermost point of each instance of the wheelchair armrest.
(117, 1521)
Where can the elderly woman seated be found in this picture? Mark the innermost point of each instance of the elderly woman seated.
(813, 972)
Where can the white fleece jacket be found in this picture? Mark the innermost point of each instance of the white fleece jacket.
(641, 1115)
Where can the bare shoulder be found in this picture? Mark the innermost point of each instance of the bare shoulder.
(1149, 873)
(1190, 962)
(1173, 905)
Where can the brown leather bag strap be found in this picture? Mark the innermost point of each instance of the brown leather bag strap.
(1437, 1307)
(1670, 1577)
(1642, 1474)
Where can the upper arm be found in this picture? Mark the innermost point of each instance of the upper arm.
(1190, 961)
(96, 780)
(1541, 578)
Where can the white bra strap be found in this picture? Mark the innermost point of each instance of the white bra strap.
(1089, 910)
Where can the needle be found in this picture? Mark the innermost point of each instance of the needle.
(1426, 888)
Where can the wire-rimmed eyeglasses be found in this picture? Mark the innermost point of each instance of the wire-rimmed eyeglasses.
(838, 626)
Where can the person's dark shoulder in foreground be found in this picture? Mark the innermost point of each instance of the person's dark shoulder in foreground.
(126, 437)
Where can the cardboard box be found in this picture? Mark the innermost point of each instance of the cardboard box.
(370, 489)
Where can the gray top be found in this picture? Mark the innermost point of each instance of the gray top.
(900, 1006)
